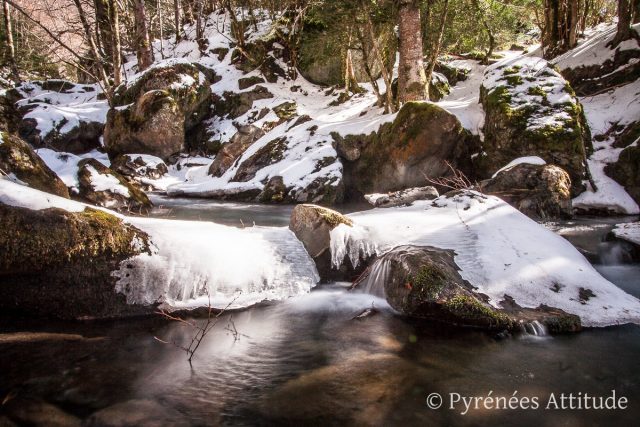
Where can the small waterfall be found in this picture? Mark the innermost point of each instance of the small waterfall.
(614, 253)
(535, 328)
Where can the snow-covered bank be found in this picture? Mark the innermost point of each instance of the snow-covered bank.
(191, 261)
(500, 251)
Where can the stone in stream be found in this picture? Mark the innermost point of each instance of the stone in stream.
(60, 262)
(136, 412)
(425, 283)
(31, 411)
(312, 225)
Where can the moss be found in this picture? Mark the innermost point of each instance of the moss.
(562, 324)
(429, 281)
(514, 80)
(334, 218)
(537, 91)
(469, 309)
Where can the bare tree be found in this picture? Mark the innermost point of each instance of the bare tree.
(412, 81)
(176, 19)
(93, 49)
(142, 43)
(114, 18)
(10, 47)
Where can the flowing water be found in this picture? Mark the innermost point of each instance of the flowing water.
(330, 357)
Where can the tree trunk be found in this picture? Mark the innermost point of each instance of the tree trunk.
(560, 26)
(11, 50)
(176, 19)
(412, 82)
(93, 49)
(437, 44)
(104, 34)
(636, 11)
(624, 31)
(142, 43)
(115, 40)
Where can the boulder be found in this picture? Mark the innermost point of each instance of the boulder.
(402, 197)
(18, 159)
(59, 264)
(152, 113)
(425, 283)
(530, 110)
(626, 171)
(102, 186)
(247, 82)
(270, 153)
(233, 149)
(420, 145)
(135, 166)
(538, 191)
(35, 412)
(453, 74)
(438, 87)
(312, 225)
(75, 127)
(234, 105)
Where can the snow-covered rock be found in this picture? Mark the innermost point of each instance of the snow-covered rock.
(63, 115)
(190, 263)
(499, 251)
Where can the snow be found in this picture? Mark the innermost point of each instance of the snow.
(243, 266)
(62, 111)
(499, 250)
(593, 49)
(540, 86)
(65, 165)
(629, 231)
(106, 182)
(531, 160)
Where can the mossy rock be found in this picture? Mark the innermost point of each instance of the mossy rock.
(19, 159)
(133, 199)
(545, 120)
(425, 283)
(270, 153)
(153, 114)
(59, 264)
(409, 152)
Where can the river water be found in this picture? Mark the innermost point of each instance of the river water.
(311, 360)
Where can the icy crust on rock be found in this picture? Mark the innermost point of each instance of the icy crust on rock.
(531, 81)
(500, 251)
(191, 261)
(62, 111)
(629, 231)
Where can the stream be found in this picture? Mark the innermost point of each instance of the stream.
(312, 360)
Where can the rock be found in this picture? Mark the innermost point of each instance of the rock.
(402, 197)
(136, 166)
(532, 111)
(101, 186)
(59, 264)
(28, 411)
(269, 154)
(312, 225)
(232, 150)
(274, 191)
(247, 82)
(152, 114)
(623, 66)
(626, 171)
(438, 87)
(234, 105)
(408, 152)
(70, 129)
(286, 110)
(538, 191)
(453, 74)
(18, 159)
(134, 413)
(425, 282)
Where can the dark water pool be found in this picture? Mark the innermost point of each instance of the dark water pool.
(310, 361)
